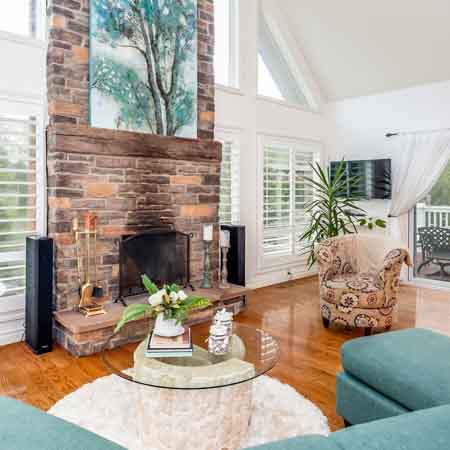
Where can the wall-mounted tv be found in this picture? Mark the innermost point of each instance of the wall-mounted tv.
(374, 175)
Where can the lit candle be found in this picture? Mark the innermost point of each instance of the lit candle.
(225, 238)
(208, 230)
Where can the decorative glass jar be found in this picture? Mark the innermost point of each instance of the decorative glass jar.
(219, 340)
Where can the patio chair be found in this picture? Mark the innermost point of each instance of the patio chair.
(435, 244)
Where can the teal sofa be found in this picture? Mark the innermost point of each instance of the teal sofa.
(394, 390)
(23, 427)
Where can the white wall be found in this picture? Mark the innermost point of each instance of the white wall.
(357, 127)
(241, 109)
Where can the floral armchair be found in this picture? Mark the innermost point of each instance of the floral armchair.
(359, 280)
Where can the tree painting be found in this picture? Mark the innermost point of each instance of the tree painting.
(143, 68)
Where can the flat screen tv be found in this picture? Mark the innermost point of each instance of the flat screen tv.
(374, 178)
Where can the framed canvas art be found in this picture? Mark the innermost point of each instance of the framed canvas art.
(143, 66)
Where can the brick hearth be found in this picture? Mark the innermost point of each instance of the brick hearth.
(84, 337)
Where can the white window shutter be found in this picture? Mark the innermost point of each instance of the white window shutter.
(17, 198)
(286, 194)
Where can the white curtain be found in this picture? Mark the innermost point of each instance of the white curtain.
(418, 161)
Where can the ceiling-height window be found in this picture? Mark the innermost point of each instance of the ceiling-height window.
(286, 163)
(22, 153)
(229, 209)
(275, 77)
(226, 42)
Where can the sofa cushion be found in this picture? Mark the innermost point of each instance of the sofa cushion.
(411, 367)
(420, 430)
(359, 403)
(311, 442)
(23, 427)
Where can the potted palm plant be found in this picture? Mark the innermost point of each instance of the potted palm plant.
(169, 305)
(333, 212)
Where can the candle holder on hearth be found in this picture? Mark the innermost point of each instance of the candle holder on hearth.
(208, 231)
(224, 249)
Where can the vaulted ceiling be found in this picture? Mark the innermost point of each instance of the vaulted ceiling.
(362, 47)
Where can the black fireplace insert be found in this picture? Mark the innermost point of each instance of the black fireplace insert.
(162, 254)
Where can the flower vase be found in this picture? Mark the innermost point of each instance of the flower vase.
(167, 327)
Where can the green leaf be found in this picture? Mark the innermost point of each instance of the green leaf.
(149, 285)
(132, 313)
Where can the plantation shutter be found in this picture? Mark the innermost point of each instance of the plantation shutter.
(17, 199)
(277, 200)
(229, 210)
(303, 193)
(286, 194)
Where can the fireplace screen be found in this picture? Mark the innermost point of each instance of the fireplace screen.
(163, 255)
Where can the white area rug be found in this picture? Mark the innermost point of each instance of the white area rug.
(106, 408)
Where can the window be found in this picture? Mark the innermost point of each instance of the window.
(275, 77)
(17, 198)
(285, 194)
(226, 38)
(229, 210)
(19, 17)
(266, 84)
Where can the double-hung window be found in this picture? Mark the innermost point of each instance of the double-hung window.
(226, 42)
(229, 210)
(286, 193)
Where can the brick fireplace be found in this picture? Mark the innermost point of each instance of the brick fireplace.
(131, 181)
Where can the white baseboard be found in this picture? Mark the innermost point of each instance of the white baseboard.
(12, 319)
(10, 337)
(279, 276)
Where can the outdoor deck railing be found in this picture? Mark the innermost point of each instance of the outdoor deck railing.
(432, 216)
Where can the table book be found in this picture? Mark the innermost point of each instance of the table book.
(170, 347)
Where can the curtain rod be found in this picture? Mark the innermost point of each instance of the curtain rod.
(389, 135)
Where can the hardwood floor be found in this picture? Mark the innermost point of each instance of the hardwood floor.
(310, 354)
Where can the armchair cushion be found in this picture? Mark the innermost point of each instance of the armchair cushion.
(354, 290)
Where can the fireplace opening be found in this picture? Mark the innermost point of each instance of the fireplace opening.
(162, 254)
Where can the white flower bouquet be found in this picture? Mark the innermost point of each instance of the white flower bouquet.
(170, 301)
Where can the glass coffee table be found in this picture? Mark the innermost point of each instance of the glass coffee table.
(201, 402)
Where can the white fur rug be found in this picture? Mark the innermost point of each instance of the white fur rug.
(106, 408)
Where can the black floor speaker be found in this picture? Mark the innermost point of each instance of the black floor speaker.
(39, 294)
(236, 254)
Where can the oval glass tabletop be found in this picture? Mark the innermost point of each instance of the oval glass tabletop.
(252, 353)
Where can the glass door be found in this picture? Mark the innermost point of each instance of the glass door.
(431, 237)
